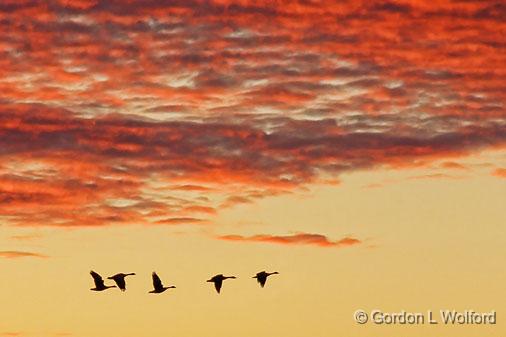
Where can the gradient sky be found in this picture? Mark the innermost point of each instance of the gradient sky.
(357, 147)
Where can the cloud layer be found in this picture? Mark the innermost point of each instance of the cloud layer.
(118, 112)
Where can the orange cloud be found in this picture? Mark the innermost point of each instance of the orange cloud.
(69, 171)
(296, 239)
(179, 221)
(434, 176)
(26, 237)
(500, 172)
(129, 118)
(11, 334)
(12, 254)
(453, 165)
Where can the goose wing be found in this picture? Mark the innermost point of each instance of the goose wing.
(262, 278)
(217, 284)
(157, 283)
(120, 281)
(99, 281)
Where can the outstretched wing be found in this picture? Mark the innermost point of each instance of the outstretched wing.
(157, 283)
(99, 282)
(262, 279)
(217, 284)
(120, 281)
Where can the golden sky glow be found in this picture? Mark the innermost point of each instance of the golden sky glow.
(357, 147)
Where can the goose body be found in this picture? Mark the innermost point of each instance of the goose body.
(120, 280)
(218, 281)
(262, 277)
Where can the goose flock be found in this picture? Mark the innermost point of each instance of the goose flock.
(158, 286)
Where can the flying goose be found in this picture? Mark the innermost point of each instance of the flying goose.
(120, 280)
(218, 280)
(262, 277)
(158, 286)
(99, 282)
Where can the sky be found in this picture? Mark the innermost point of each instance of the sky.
(356, 147)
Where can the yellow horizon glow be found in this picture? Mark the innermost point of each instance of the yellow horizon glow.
(428, 244)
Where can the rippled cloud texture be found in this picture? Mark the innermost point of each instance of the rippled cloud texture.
(120, 112)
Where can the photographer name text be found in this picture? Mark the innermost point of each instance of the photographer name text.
(448, 317)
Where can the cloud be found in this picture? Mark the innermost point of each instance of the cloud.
(296, 239)
(113, 169)
(453, 165)
(373, 185)
(179, 221)
(12, 254)
(26, 237)
(499, 172)
(142, 113)
(434, 176)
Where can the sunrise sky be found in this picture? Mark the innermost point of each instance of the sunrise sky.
(356, 147)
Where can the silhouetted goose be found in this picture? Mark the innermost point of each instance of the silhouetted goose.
(158, 286)
(99, 282)
(218, 280)
(262, 277)
(120, 280)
